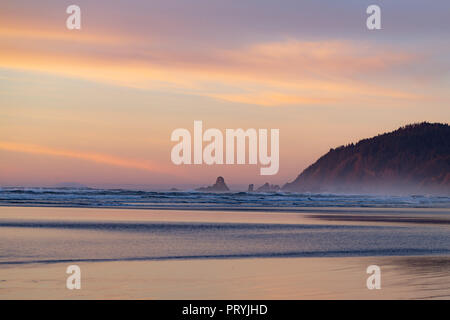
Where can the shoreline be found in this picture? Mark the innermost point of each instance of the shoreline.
(313, 215)
(302, 209)
(12, 264)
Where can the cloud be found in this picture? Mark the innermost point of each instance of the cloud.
(86, 156)
(285, 72)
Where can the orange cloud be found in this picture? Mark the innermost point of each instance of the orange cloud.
(94, 157)
(51, 35)
(289, 72)
(271, 98)
(298, 59)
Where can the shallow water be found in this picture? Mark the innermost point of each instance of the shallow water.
(51, 235)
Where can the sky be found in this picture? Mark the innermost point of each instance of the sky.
(97, 106)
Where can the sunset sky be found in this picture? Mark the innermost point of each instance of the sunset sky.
(97, 106)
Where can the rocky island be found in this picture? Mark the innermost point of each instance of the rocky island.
(219, 186)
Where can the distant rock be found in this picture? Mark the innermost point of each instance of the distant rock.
(219, 186)
(414, 159)
(250, 188)
(266, 187)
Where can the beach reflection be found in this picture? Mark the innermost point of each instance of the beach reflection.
(294, 278)
(145, 254)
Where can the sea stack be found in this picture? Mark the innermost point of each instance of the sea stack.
(219, 186)
(268, 188)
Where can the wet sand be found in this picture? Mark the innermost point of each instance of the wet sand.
(293, 278)
(323, 215)
(30, 235)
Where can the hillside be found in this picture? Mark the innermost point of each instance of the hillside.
(412, 159)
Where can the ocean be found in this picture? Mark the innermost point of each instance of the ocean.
(64, 224)
(89, 197)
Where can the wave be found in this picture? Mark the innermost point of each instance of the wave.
(164, 227)
(91, 197)
(292, 254)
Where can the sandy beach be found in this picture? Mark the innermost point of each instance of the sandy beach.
(173, 254)
(293, 278)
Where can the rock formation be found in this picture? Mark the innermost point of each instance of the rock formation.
(219, 186)
(268, 188)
